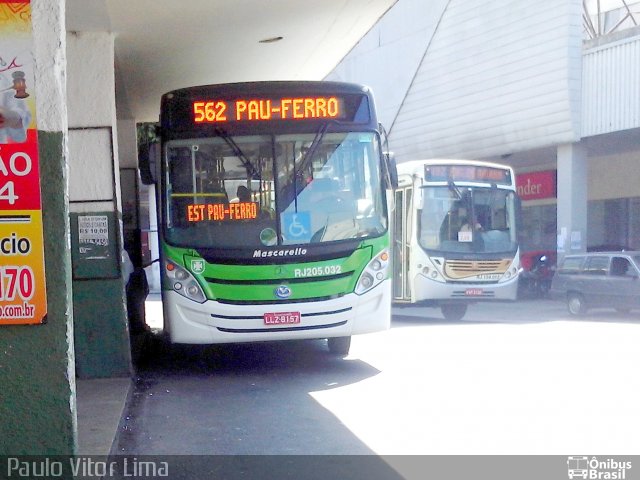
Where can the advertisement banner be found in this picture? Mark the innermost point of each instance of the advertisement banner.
(22, 277)
(537, 185)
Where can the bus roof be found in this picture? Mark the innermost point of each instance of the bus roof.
(444, 170)
(269, 87)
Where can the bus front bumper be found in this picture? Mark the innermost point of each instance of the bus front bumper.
(429, 290)
(214, 322)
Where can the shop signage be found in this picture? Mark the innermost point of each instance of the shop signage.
(22, 279)
(537, 185)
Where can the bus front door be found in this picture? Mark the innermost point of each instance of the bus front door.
(402, 245)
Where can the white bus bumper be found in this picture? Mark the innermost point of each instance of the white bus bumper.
(427, 289)
(213, 322)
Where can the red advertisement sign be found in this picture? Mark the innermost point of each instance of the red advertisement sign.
(23, 297)
(19, 175)
(537, 185)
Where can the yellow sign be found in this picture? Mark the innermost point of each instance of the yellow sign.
(23, 298)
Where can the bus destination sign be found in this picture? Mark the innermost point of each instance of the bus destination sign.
(221, 212)
(467, 173)
(258, 109)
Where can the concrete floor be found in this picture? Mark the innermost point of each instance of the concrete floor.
(100, 405)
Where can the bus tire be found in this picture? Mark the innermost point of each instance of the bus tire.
(453, 312)
(339, 345)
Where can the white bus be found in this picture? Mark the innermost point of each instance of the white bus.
(455, 234)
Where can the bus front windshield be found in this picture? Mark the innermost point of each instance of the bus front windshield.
(467, 219)
(263, 190)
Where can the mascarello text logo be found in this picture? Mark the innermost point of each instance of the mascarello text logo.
(581, 466)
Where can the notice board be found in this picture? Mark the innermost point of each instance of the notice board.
(94, 246)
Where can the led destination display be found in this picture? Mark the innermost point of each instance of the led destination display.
(466, 173)
(252, 109)
(222, 211)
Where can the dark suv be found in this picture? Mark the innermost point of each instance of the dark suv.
(598, 279)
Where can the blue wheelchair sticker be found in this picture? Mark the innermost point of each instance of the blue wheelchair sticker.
(297, 227)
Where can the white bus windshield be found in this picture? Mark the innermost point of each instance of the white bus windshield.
(467, 219)
(263, 190)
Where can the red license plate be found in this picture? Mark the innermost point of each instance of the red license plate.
(281, 318)
(473, 292)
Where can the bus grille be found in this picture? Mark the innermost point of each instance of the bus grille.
(240, 289)
(457, 269)
(278, 281)
(279, 302)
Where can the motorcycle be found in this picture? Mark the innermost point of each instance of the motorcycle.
(535, 282)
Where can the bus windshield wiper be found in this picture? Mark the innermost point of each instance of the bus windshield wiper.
(308, 155)
(238, 153)
(317, 140)
(454, 188)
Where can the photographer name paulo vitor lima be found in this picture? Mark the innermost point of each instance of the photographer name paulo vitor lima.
(84, 467)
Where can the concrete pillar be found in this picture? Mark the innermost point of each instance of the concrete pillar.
(37, 383)
(572, 198)
(129, 186)
(100, 315)
(127, 143)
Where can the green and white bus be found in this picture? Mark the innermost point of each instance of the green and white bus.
(455, 231)
(272, 213)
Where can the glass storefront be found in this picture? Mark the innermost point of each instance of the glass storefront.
(611, 224)
(614, 224)
(538, 228)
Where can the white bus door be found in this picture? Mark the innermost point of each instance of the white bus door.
(402, 245)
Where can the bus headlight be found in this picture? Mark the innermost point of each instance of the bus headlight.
(511, 273)
(431, 271)
(374, 273)
(182, 282)
(181, 274)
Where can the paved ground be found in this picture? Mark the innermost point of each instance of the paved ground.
(510, 378)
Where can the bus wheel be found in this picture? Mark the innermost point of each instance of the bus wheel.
(453, 312)
(339, 345)
(575, 304)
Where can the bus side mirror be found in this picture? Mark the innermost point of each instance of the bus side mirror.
(148, 155)
(392, 170)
